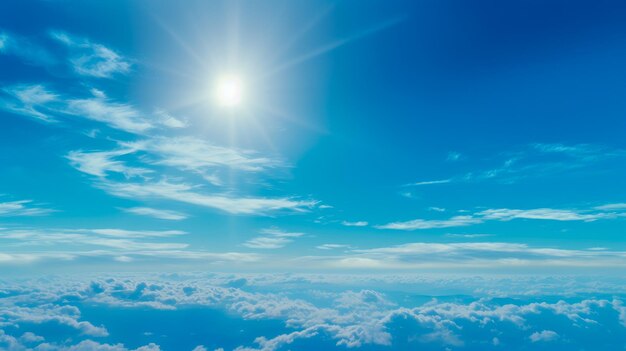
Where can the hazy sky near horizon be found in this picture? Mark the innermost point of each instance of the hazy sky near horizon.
(312, 135)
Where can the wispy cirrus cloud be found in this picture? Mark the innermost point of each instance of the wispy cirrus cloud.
(157, 213)
(168, 120)
(120, 116)
(29, 100)
(91, 59)
(121, 245)
(332, 246)
(506, 214)
(40, 102)
(487, 255)
(23, 208)
(273, 238)
(532, 161)
(186, 193)
(191, 153)
(102, 163)
(430, 182)
(456, 221)
(186, 153)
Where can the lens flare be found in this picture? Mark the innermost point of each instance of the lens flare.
(229, 91)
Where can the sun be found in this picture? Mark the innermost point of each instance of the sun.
(229, 91)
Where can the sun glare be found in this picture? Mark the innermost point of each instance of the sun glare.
(229, 91)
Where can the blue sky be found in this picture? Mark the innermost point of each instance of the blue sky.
(368, 135)
(312, 175)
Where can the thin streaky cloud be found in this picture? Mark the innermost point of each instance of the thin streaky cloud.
(332, 246)
(355, 224)
(505, 215)
(185, 193)
(23, 208)
(157, 213)
(430, 182)
(92, 59)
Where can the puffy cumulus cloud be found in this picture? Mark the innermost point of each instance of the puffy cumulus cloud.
(92, 59)
(46, 312)
(278, 342)
(544, 336)
(329, 315)
(85, 345)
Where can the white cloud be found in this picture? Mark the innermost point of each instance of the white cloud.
(332, 246)
(354, 224)
(117, 115)
(430, 182)
(537, 160)
(506, 214)
(544, 336)
(332, 311)
(280, 341)
(70, 240)
(273, 238)
(280, 233)
(91, 59)
(468, 235)
(611, 207)
(101, 163)
(477, 255)
(263, 242)
(23, 208)
(122, 233)
(157, 213)
(29, 100)
(437, 209)
(39, 102)
(30, 337)
(456, 221)
(185, 193)
(170, 121)
(191, 153)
